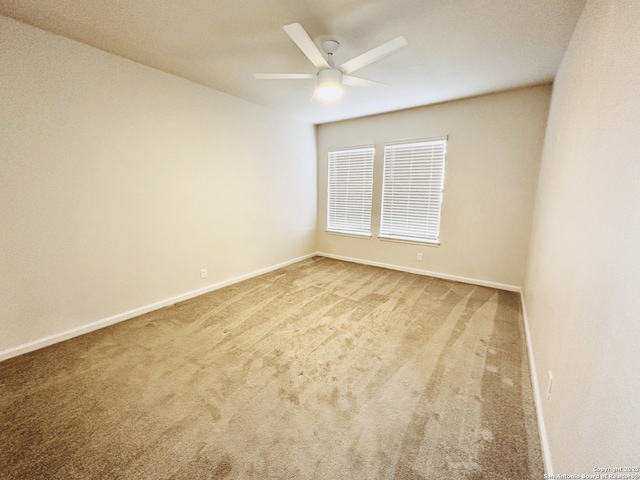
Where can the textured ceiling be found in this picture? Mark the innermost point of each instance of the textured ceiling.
(457, 48)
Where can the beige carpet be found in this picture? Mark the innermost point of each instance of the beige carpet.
(321, 370)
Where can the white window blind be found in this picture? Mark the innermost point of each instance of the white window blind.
(350, 190)
(412, 191)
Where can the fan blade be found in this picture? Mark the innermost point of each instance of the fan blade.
(283, 76)
(360, 82)
(304, 43)
(373, 55)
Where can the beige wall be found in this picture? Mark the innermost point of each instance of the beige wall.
(582, 290)
(493, 155)
(119, 182)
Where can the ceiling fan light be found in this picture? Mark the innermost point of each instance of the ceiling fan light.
(329, 92)
(329, 85)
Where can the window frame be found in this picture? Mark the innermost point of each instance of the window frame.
(342, 214)
(401, 179)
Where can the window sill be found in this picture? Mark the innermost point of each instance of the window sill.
(347, 234)
(414, 242)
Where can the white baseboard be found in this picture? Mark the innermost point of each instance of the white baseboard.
(105, 322)
(444, 276)
(542, 430)
(75, 332)
(546, 453)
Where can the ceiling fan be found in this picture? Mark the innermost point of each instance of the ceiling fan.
(329, 77)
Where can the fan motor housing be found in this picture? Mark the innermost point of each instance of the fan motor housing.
(330, 76)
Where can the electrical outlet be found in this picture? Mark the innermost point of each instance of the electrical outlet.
(419, 256)
(203, 273)
(550, 382)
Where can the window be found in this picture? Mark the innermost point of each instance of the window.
(412, 191)
(350, 189)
